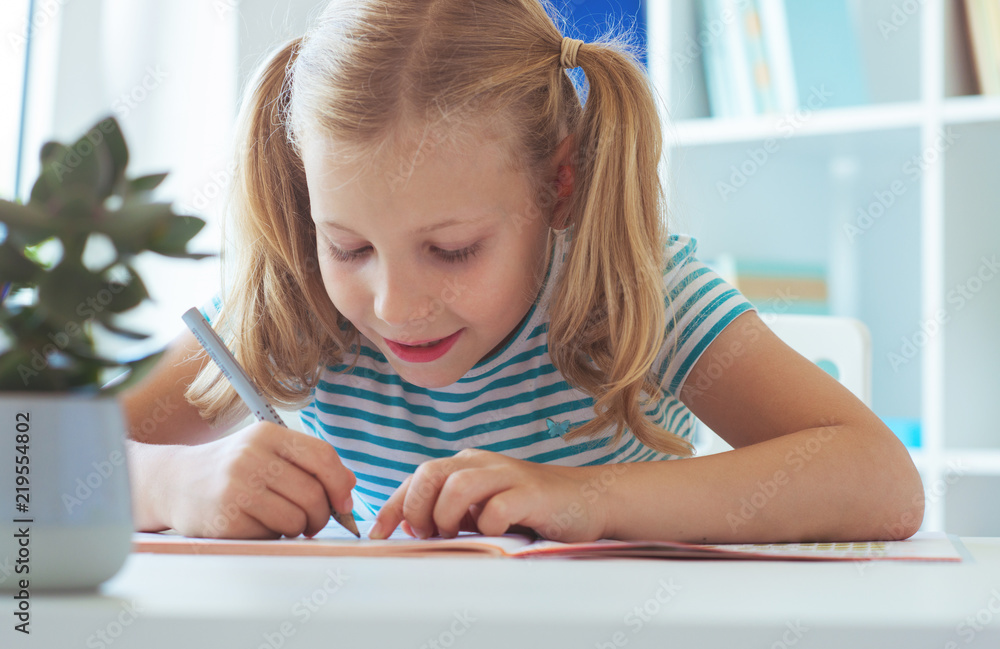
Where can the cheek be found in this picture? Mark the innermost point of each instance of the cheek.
(344, 290)
(499, 296)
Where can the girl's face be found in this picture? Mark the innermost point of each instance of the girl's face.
(452, 250)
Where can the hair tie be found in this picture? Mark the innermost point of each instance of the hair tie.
(570, 46)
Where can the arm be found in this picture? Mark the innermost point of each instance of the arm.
(155, 408)
(160, 420)
(810, 461)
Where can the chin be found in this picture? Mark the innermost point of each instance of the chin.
(427, 380)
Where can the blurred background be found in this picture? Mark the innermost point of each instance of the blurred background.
(831, 157)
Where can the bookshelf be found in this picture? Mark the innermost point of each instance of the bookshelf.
(897, 198)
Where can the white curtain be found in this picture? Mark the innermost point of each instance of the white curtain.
(169, 72)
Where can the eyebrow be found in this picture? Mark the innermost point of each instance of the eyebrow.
(422, 230)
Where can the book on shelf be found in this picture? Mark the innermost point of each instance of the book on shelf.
(775, 286)
(983, 21)
(778, 52)
(334, 541)
(764, 92)
(713, 61)
(774, 56)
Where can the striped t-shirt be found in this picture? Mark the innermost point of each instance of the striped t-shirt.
(514, 402)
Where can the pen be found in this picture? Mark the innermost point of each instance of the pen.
(244, 386)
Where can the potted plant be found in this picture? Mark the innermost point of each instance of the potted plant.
(66, 272)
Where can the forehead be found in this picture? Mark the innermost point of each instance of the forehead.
(425, 181)
(391, 164)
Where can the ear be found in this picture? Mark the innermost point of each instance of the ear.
(565, 177)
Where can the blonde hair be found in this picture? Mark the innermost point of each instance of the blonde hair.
(366, 77)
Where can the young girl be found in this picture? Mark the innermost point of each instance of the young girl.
(463, 275)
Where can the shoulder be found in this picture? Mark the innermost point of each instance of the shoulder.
(699, 305)
(679, 259)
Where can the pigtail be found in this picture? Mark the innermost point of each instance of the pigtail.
(608, 315)
(276, 316)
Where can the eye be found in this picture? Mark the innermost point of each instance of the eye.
(449, 256)
(457, 256)
(347, 255)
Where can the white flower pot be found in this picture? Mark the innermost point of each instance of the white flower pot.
(66, 520)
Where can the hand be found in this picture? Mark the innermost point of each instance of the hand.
(486, 492)
(264, 481)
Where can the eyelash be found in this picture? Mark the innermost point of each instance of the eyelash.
(449, 256)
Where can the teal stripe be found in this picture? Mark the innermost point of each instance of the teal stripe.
(692, 327)
(647, 456)
(706, 312)
(538, 331)
(672, 420)
(372, 494)
(375, 479)
(704, 342)
(368, 507)
(436, 396)
(661, 410)
(684, 284)
(639, 449)
(408, 388)
(686, 251)
(309, 422)
(539, 350)
(534, 438)
(491, 407)
(381, 462)
(560, 453)
(435, 433)
(389, 443)
(615, 457)
(670, 305)
(682, 418)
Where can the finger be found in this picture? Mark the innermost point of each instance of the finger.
(238, 525)
(469, 523)
(466, 488)
(277, 513)
(391, 514)
(248, 527)
(422, 494)
(511, 508)
(301, 489)
(317, 457)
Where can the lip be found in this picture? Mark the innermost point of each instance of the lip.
(423, 354)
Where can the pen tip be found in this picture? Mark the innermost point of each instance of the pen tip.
(347, 520)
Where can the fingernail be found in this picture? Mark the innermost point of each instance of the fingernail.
(347, 506)
(376, 531)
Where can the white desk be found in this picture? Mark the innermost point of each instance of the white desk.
(250, 602)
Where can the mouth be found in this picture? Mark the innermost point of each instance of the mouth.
(423, 351)
(426, 343)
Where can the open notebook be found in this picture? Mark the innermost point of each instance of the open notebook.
(333, 540)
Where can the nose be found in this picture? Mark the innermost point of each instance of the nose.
(400, 298)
